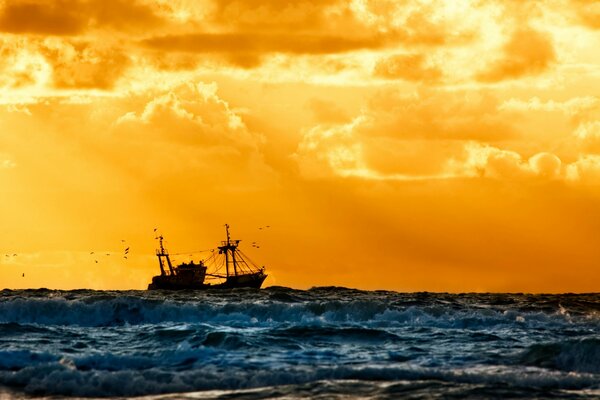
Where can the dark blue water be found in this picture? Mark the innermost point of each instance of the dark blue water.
(284, 343)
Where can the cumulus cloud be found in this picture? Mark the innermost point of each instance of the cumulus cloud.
(585, 169)
(588, 131)
(190, 130)
(329, 151)
(404, 136)
(545, 165)
(345, 151)
(193, 113)
(493, 162)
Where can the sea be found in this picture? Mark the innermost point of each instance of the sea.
(281, 343)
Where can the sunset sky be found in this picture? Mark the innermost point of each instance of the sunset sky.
(407, 145)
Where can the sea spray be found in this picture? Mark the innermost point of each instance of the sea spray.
(278, 341)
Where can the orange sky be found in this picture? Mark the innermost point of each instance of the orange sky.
(446, 145)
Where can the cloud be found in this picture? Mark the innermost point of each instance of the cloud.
(585, 169)
(492, 162)
(276, 15)
(545, 165)
(257, 43)
(53, 18)
(588, 130)
(61, 63)
(573, 107)
(438, 115)
(327, 112)
(189, 131)
(73, 17)
(588, 12)
(193, 114)
(404, 136)
(412, 67)
(348, 150)
(83, 65)
(21, 65)
(527, 52)
(330, 151)
(6, 162)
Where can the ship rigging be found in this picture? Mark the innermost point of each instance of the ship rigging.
(228, 268)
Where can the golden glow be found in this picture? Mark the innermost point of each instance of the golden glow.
(415, 145)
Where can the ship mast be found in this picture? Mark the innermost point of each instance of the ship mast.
(162, 252)
(229, 246)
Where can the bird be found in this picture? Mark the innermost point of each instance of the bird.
(127, 250)
(125, 257)
(108, 254)
(91, 252)
(122, 240)
(96, 261)
(23, 274)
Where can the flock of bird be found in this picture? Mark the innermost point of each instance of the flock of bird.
(125, 252)
(126, 249)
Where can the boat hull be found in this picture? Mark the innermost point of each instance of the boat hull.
(233, 282)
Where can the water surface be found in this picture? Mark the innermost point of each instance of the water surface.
(285, 343)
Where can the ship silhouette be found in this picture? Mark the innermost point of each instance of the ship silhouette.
(227, 268)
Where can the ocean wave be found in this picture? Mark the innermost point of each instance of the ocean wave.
(66, 377)
(572, 355)
(264, 309)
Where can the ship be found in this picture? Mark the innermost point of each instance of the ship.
(226, 268)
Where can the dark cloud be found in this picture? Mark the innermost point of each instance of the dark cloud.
(588, 12)
(85, 66)
(274, 14)
(527, 52)
(53, 18)
(63, 17)
(258, 43)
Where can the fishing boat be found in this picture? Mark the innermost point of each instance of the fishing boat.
(226, 268)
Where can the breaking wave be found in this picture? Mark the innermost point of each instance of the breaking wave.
(330, 342)
(90, 308)
(572, 355)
